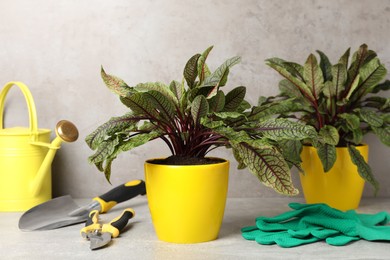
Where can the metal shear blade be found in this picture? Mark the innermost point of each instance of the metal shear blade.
(100, 235)
(99, 240)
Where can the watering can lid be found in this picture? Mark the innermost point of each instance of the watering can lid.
(21, 131)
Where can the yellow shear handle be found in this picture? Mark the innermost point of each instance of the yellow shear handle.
(117, 224)
(91, 224)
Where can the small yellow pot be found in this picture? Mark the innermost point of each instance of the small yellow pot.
(341, 187)
(187, 202)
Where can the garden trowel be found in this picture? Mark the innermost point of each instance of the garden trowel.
(63, 211)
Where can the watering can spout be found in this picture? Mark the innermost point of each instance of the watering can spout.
(66, 131)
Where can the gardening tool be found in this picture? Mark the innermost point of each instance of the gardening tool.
(26, 155)
(63, 211)
(100, 235)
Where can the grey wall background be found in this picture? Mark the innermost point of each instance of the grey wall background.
(57, 48)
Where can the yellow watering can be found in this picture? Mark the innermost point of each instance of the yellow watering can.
(26, 155)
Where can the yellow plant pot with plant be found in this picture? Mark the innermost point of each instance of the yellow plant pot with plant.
(192, 117)
(339, 101)
(187, 203)
(341, 187)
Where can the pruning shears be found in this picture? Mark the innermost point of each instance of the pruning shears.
(100, 235)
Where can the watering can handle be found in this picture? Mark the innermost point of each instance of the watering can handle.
(30, 104)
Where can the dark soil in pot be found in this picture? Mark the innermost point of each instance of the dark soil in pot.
(180, 160)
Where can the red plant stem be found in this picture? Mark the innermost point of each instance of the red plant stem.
(212, 140)
(319, 117)
(315, 105)
(169, 144)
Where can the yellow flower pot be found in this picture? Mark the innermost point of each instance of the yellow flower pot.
(187, 202)
(341, 187)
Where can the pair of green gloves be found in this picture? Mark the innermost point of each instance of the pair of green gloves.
(309, 223)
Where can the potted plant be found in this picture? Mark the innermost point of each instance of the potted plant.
(194, 116)
(339, 101)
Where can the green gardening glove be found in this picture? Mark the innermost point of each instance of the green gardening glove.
(313, 222)
(284, 230)
(380, 218)
(281, 238)
(363, 226)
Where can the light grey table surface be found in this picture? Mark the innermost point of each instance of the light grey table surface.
(138, 240)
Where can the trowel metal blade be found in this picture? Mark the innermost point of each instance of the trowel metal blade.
(50, 215)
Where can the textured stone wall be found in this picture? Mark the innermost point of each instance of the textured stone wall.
(57, 48)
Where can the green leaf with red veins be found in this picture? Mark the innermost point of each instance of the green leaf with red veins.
(268, 165)
(140, 105)
(157, 86)
(114, 125)
(327, 155)
(329, 135)
(363, 168)
(283, 129)
(298, 84)
(115, 84)
(313, 76)
(199, 108)
(339, 73)
(383, 134)
(234, 98)
(370, 75)
(219, 76)
(326, 66)
(190, 72)
(203, 70)
(217, 103)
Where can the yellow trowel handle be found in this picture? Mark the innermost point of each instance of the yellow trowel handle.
(121, 193)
